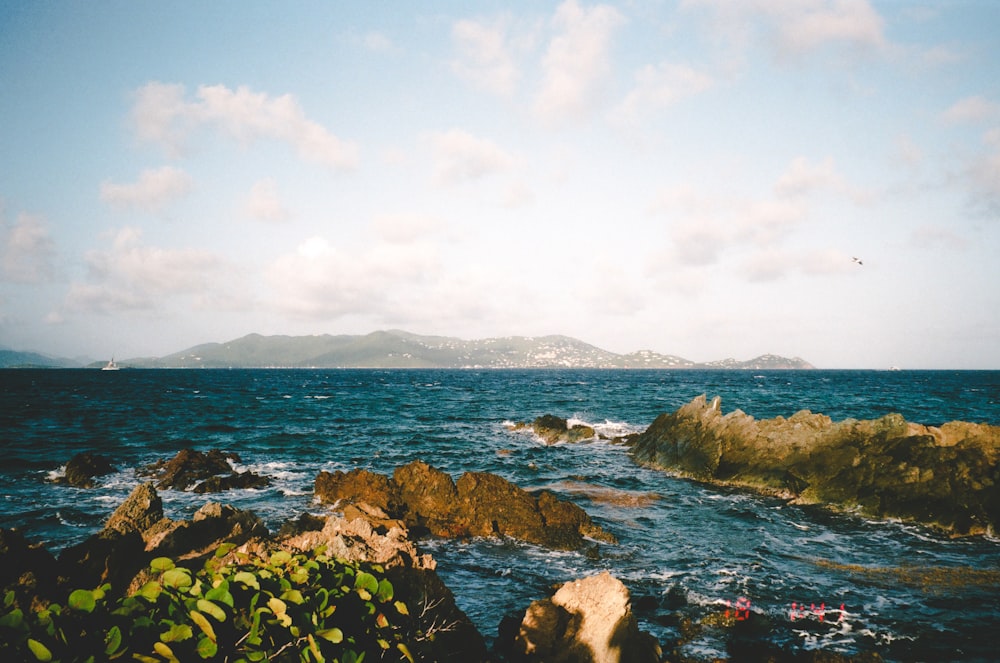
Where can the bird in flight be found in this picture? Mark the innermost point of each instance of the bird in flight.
(857, 260)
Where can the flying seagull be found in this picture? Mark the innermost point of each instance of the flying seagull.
(857, 260)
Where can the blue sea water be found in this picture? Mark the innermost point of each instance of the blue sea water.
(686, 550)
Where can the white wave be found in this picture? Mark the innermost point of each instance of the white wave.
(288, 492)
(56, 474)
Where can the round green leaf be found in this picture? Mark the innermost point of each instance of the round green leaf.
(203, 623)
(82, 600)
(162, 564)
(150, 591)
(367, 581)
(293, 596)
(221, 594)
(40, 651)
(211, 609)
(385, 592)
(177, 578)
(113, 640)
(207, 648)
(13, 619)
(247, 578)
(334, 635)
(177, 633)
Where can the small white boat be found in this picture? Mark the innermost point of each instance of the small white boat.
(110, 366)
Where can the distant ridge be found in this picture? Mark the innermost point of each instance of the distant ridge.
(15, 359)
(400, 349)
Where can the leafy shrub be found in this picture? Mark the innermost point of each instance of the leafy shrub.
(238, 607)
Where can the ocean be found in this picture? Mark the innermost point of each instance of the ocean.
(686, 550)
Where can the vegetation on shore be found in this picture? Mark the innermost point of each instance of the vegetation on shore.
(236, 607)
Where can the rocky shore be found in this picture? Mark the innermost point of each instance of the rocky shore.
(370, 528)
(946, 477)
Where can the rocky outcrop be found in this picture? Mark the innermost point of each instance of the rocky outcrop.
(585, 621)
(946, 477)
(208, 472)
(83, 467)
(552, 430)
(354, 537)
(138, 532)
(478, 504)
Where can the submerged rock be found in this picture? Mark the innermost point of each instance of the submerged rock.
(209, 472)
(588, 620)
(552, 430)
(478, 504)
(946, 477)
(83, 467)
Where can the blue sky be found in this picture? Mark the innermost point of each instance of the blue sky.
(688, 177)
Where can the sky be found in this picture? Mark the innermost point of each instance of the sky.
(693, 177)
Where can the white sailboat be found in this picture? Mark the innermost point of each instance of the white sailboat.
(110, 366)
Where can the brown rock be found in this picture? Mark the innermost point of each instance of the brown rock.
(552, 430)
(83, 467)
(27, 569)
(478, 504)
(216, 484)
(142, 509)
(947, 477)
(588, 620)
(212, 525)
(359, 485)
(189, 467)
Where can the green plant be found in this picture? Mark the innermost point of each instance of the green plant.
(237, 607)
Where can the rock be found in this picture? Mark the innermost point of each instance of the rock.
(26, 569)
(216, 484)
(604, 495)
(447, 633)
(552, 430)
(110, 556)
(946, 477)
(212, 525)
(142, 509)
(431, 499)
(83, 467)
(189, 467)
(358, 485)
(306, 522)
(478, 504)
(588, 620)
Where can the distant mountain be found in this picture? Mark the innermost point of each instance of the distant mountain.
(15, 359)
(400, 349)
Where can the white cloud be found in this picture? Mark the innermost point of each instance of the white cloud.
(804, 177)
(485, 55)
(972, 109)
(264, 204)
(153, 189)
(775, 264)
(131, 276)
(320, 282)
(796, 27)
(908, 152)
(936, 238)
(377, 42)
(161, 114)
(984, 172)
(459, 156)
(405, 228)
(659, 87)
(576, 61)
(28, 251)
